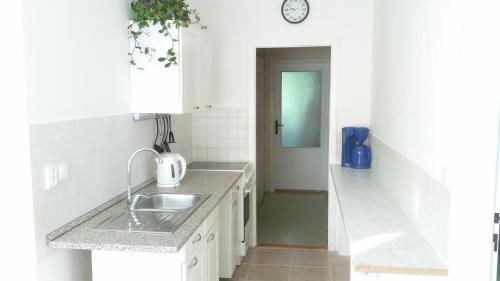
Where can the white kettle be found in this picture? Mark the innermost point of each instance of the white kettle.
(171, 170)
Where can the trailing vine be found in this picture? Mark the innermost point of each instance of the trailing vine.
(168, 14)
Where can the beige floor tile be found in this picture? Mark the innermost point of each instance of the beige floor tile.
(272, 258)
(341, 262)
(310, 274)
(269, 272)
(310, 259)
(249, 256)
(241, 272)
(340, 274)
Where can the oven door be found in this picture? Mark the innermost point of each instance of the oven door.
(247, 200)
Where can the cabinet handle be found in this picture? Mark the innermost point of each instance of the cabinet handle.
(196, 107)
(197, 239)
(209, 106)
(235, 203)
(193, 263)
(211, 237)
(237, 187)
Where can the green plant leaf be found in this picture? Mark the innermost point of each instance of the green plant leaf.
(168, 14)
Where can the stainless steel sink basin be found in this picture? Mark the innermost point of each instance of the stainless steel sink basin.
(154, 212)
(165, 202)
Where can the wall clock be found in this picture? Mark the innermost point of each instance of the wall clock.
(295, 11)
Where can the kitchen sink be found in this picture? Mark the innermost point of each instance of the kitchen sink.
(166, 201)
(154, 212)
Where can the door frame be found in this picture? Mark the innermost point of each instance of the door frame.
(496, 226)
(275, 63)
(333, 237)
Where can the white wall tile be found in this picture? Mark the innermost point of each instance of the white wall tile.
(96, 151)
(425, 200)
(220, 135)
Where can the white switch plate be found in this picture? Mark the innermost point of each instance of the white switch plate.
(54, 174)
(51, 176)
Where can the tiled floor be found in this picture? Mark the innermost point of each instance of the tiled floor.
(292, 265)
(285, 219)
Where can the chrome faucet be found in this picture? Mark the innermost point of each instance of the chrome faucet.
(129, 173)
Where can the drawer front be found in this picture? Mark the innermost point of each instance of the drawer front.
(212, 218)
(195, 268)
(196, 239)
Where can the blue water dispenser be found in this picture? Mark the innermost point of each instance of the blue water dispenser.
(354, 153)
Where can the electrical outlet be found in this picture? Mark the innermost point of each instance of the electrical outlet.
(51, 176)
(54, 174)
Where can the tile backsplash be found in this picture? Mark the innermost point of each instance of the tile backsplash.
(425, 200)
(220, 135)
(96, 151)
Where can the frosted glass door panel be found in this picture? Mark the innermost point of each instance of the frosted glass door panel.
(301, 109)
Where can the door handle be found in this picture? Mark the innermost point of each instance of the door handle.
(276, 126)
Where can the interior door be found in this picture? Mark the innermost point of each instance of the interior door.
(300, 142)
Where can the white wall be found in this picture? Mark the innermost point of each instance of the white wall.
(78, 100)
(436, 102)
(238, 26)
(411, 42)
(76, 64)
(17, 228)
(77, 59)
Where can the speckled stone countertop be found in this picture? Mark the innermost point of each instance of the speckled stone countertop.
(382, 238)
(80, 234)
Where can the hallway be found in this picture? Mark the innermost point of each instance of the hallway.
(297, 219)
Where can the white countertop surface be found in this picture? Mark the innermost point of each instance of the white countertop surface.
(381, 237)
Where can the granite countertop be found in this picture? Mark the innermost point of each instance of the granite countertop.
(382, 238)
(79, 234)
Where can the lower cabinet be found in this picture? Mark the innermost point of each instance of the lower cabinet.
(203, 265)
(212, 254)
(197, 260)
(230, 232)
(195, 268)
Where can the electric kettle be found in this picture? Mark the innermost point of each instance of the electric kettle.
(171, 170)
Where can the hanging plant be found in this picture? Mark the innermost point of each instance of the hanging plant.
(166, 13)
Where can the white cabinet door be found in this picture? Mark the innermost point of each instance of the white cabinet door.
(190, 66)
(205, 98)
(235, 242)
(212, 254)
(155, 89)
(226, 266)
(181, 88)
(194, 269)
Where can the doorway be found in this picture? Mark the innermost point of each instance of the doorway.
(292, 110)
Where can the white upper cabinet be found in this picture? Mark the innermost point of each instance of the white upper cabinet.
(181, 88)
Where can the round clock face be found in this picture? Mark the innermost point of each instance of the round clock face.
(295, 11)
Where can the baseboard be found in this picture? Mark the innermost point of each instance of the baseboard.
(300, 191)
(292, 247)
